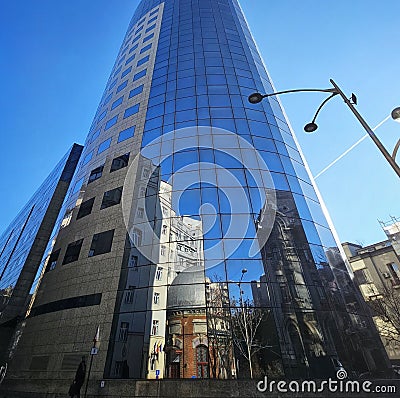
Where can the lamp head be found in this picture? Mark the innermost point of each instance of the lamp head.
(244, 270)
(310, 127)
(396, 114)
(255, 98)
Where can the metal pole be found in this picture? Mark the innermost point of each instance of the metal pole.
(87, 379)
(368, 129)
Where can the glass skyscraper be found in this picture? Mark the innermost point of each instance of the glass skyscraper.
(24, 242)
(193, 236)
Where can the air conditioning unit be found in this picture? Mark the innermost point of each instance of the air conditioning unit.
(386, 275)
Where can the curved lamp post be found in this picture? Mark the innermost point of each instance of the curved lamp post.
(255, 98)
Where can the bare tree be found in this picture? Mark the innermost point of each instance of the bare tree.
(246, 320)
(219, 331)
(386, 306)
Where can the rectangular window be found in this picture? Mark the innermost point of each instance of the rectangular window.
(156, 298)
(101, 243)
(135, 39)
(153, 12)
(151, 20)
(72, 252)
(123, 331)
(102, 116)
(107, 100)
(144, 49)
(131, 111)
(78, 185)
(95, 174)
(87, 158)
(111, 122)
(117, 71)
(129, 295)
(154, 329)
(126, 71)
(104, 145)
(127, 133)
(159, 273)
(121, 59)
(122, 86)
(51, 264)
(132, 57)
(85, 208)
(133, 48)
(117, 102)
(140, 74)
(113, 84)
(162, 251)
(395, 273)
(140, 212)
(150, 28)
(143, 60)
(94, 136)
(111, 198)
(119, 162)
(136, 91)
(147, 38)
(137, 237)
(141, 28)
(133, 261)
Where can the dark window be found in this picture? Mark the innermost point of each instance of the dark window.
(52, 260)
(65, 304)
(101, 243)
(119, 162)
(85, 209)
(111, 198)
(72, 252)
(95, 174)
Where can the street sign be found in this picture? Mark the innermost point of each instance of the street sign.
(94, 351)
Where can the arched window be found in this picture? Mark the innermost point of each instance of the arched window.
(202, 361)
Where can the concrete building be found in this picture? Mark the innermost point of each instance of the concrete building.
(181, 173)
(376, 269)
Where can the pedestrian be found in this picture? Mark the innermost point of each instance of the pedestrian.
(75, 388)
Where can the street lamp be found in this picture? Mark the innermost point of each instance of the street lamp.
(256, 98)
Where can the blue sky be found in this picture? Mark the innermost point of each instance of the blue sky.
(56, 57)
